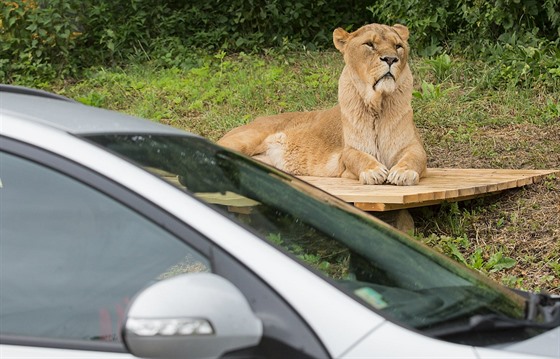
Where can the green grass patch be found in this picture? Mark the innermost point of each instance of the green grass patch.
(221, 93)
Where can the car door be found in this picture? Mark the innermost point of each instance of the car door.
(77, 247)
(73, 256)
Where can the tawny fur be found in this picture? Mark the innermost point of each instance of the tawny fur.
(369, 135)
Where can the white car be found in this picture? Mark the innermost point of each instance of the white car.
(121, 237)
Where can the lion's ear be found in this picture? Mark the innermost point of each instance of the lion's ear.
(340, 37)
(402, 31)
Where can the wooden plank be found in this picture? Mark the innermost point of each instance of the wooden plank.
(382, 207)
(226, 199)
(438, 185)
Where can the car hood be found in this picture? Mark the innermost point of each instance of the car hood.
(386, 341)
(546, 344)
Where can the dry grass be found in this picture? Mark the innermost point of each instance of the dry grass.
(475, 126)
(524, 224)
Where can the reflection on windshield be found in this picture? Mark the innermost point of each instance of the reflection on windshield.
(378, 266)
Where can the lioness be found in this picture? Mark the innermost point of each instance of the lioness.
(368, 136)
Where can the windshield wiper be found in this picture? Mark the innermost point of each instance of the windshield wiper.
(539, 306)
(546, 305)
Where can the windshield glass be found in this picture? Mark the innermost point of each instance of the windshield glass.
(382, 268)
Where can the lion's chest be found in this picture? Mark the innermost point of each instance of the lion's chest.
(369, 137)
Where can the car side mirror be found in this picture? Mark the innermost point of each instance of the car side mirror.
(196, 315)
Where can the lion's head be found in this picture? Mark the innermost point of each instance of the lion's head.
(376, 58)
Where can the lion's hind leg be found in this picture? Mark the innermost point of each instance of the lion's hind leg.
(250, 139)
(245, 140)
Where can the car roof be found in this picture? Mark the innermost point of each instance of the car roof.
(71, 116)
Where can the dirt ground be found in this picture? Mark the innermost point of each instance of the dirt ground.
(524, 223)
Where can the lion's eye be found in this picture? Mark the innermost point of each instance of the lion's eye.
(370, 45)
(399, 46)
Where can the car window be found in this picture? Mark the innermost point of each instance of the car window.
(71, 258)
(383, 269)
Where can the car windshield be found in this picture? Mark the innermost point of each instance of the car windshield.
(382, 268)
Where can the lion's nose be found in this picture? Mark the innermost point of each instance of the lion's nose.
(389, 59)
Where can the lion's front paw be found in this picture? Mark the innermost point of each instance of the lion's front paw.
(374, 176)
(403, 177)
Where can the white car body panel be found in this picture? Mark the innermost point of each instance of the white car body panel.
(539, 345)
(484, 353)
(16, 351)
(392, 341)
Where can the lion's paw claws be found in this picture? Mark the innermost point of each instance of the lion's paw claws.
(374, 176)
(402, 177)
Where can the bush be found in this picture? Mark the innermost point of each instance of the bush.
(115, 31)
(469, 24)
(37, 40)
(520, 38)
(48, 38)
(257, 24)
(44, 39)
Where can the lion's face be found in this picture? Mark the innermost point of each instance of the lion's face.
(376, 54)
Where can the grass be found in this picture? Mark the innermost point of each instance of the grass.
(219, 94)
(465, 118)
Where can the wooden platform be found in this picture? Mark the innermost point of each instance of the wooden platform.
(439, 185)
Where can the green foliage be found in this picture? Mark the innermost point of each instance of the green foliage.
(93, 99)
(520, 38)
(550, 183)
(555, 266)
(246, 25)
(275, 238)
(45, 39)
(117, 30)
(498, 262)
(38, 39)
(441, 66)
(552, 110)
(469, 22)
(432, 92)
(512, 281)
(316, 252)
(425, 19)
(483, 259)
(522, 60)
